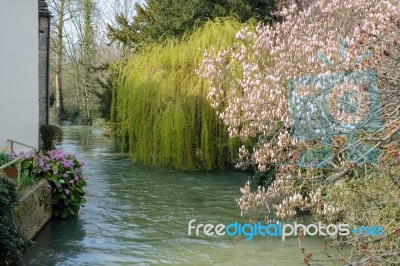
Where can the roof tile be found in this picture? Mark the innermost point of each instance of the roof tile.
(43, 8)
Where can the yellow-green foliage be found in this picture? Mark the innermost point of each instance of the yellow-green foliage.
(160, 109)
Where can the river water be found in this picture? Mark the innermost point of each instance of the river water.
(138, 215)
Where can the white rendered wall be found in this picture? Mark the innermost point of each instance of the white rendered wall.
(19, 105)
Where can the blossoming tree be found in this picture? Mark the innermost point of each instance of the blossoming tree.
(249, 90)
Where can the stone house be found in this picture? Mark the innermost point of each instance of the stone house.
(24, 68)
(44, 61)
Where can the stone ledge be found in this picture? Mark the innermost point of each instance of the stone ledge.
(35, 209)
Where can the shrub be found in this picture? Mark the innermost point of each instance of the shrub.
(64, 173)
(12, 239)
(372, 198)
(51, 135)
(72, 112)
(4, 158)
(27, 172)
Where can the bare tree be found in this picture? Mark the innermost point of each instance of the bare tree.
(58, 8)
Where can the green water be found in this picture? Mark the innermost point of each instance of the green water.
(138, 216)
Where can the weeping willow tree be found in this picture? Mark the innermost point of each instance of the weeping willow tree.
(160, 111)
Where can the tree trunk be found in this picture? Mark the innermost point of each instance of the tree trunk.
(59, 55)
(88, 56)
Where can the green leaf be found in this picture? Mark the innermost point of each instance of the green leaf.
(54, 167)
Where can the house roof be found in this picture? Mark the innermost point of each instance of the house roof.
(43, 8)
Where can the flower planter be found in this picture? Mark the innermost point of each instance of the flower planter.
(11, 171)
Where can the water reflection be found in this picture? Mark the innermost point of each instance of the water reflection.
(137, 215)
(52, 240)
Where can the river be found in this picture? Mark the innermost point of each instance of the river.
(138, 215)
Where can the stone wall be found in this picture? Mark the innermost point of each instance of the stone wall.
(43, 76)
(44, 24)
(35, 208)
